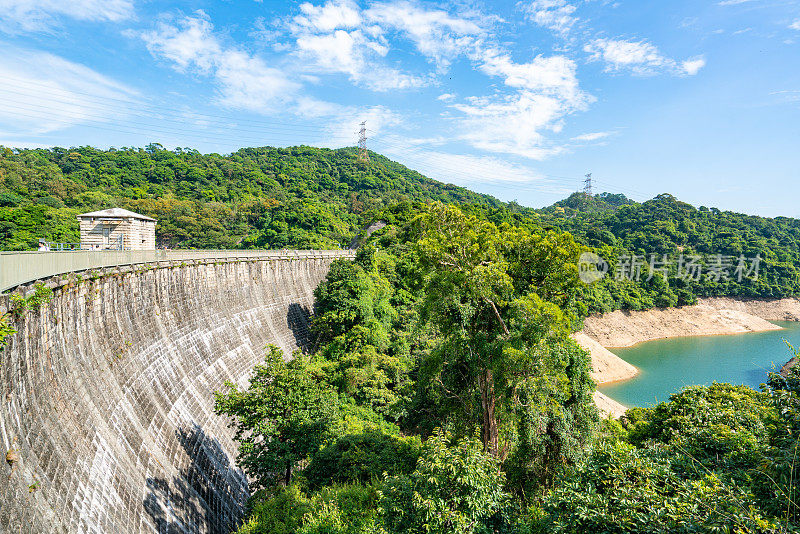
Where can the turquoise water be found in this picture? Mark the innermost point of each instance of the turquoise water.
(668, 365)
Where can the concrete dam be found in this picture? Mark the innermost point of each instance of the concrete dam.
(107, 421)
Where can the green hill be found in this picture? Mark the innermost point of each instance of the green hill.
(622, 229)
(265, 197)
(305, 197)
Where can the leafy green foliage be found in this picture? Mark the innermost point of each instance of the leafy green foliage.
(719, 427)
(19, 305)
(456, 488)
(299, 197)
(502, 357)
(664, 225)
(283, 416)
(362, 458)
(6, 330)
(334, 510)
(623, 489)
(779, 486)
(459, 317)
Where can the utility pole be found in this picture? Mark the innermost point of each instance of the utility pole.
(363, 155)
(587, 186)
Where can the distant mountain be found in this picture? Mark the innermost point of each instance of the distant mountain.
(620, 229)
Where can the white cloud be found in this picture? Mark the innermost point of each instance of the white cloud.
(244, 81)
(328, 17)
(556, 15)
(436, 34)
(337, 37)
(460, 169)
(693, 66)
(795, 25)
(550, 74)
(41, 15)
(589, 137)
(512, 124)
(43, 93)
(351, 53)
(732, 2)
(546, 90)
(639, 57)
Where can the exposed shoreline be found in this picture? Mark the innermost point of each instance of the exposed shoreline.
(710, 316)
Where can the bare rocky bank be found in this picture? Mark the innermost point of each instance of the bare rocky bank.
(711, 316)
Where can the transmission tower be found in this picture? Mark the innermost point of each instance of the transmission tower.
(363, 155)
(587, 186)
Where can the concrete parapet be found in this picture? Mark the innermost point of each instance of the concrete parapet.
(17, 268)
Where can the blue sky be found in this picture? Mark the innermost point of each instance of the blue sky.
(700, 99)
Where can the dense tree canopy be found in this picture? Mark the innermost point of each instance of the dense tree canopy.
(299, 197)
(442, 392)
(462, 404)
(716, 240)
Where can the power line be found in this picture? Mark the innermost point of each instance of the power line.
(166, 109)
(170, 125)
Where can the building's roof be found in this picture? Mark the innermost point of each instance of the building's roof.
(115, 213)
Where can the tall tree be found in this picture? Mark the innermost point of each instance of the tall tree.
(282, 417)
(499, 336)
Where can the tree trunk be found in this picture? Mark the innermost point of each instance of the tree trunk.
(489, 433)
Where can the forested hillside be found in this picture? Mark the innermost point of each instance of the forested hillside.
(304, 197)
(444, 395)
(702, 246)
(300, 197)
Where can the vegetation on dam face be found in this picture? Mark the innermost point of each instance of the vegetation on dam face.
(445, 395)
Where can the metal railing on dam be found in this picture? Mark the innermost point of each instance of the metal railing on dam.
(18, 268)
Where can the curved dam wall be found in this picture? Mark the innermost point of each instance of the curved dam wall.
(106, 394)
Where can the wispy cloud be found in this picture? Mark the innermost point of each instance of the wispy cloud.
(341, 37)
(639, 57)
(732, 2)
(42, 15)
(244, 81)
(43, 93)
(795, 25)
(556, 15)
(547, 90)
(594, 136)
(462, 169)
(438, 35)
(338, 37)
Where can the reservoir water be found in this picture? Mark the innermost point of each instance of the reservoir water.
(668, 365)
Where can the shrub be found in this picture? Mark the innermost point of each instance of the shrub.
(456, 488)
(363, 458)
